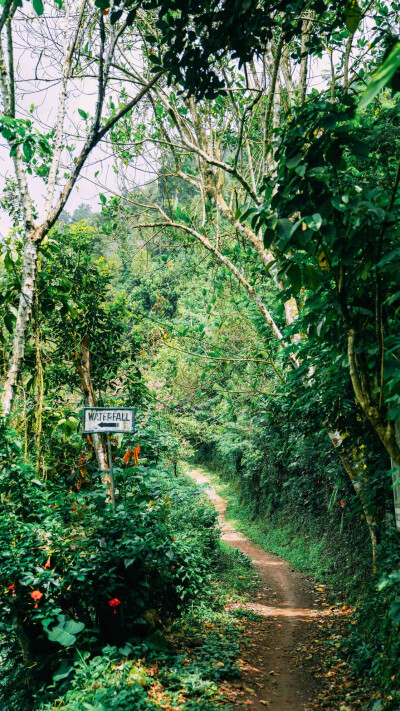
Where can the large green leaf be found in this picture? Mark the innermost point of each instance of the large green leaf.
(294, 274)
(284, 229)
(352, 15)
(382, 76)
(60, 635)
(311, 276)
(65, 631)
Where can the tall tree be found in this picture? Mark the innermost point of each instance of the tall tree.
(46, 153)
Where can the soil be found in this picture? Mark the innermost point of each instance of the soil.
(278, 672)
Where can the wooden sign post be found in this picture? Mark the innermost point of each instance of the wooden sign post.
(108, 420)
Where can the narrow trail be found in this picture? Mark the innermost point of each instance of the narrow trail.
(277, 671)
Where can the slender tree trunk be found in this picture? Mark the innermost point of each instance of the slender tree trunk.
(304, 59)
(83, 367)
(39, 387)
(346, 61)
(24, 311)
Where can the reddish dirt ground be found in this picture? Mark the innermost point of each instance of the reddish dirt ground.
(278, 672)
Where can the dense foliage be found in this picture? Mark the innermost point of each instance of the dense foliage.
(82, 587)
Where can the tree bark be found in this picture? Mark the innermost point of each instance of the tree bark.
(83, 368)
(30, 257)
(304, 59)
(358, 479)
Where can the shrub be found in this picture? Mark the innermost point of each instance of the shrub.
(75, 575)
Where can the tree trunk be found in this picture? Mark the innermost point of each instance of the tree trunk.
(358, 479)
(24, 311)
(305, 36)
(83, 367)
(39, 388)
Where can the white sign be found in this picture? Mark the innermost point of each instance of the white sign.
(108, 419)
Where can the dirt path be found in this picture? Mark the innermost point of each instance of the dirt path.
(278, 671)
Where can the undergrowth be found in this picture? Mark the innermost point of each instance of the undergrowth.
(114, 611)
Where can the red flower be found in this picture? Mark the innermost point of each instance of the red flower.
(136, 453)
(114, 603)
(174, 539)
(341, 503)
(12, 588)
(131, 453)
(36, 595)
(47, 564)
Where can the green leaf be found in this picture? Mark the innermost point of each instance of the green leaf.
(315, 172)
(64, 633)
(284, 228)
(27, 150)
(382, 76)
(320, 325)
(82, 113)
(294, 161)
(312, 277)
(294, 274)
(63, 671)
(314, 222)
(395, 611)
(58, 634)
(38, 6)
(73, 627)
(352, 15)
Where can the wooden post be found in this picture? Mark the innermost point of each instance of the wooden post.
(110, 472)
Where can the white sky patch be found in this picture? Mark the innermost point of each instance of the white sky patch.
(38, 51)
